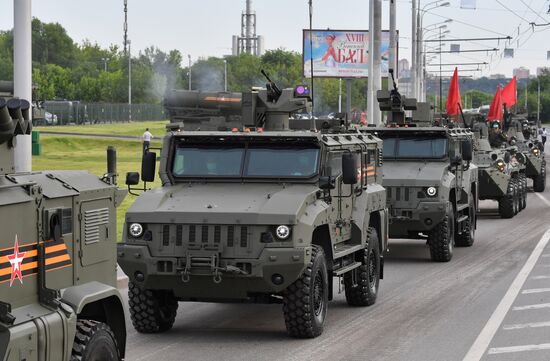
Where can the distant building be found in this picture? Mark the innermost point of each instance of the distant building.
(497, 76)
(521, 73)
(543, 69)
(403, 70)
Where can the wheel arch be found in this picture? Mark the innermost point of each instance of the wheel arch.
(102, 303)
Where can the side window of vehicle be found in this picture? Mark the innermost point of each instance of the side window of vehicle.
(335, 164)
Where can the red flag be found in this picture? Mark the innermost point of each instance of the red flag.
(453, 97)
(509, 94)
(495, 111)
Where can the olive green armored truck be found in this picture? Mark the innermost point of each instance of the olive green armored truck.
(501, 169)
(58, 296)
(431, 182)
(258, 213)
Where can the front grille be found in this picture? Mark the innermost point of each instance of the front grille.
(165, 235)
(227, 235)
(399, 193)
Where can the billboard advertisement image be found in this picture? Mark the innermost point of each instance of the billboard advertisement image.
(341, 53)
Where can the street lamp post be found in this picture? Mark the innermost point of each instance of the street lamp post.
(189, 58)
(225, 75)
(105, 64)
(538, 101)
(129, 82)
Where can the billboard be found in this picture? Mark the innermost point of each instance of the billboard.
(341, 53)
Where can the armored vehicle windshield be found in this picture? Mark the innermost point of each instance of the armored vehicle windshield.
(241, 158)
(414, 146)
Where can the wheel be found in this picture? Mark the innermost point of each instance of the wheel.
(516, 195)
(305, 301)
(151, 311)
(466, 239)
(523, 182)
(539, 182)
(441, 239)
(361, 284)
(506, 203)
(94, 341)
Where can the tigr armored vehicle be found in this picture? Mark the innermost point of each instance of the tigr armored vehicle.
(258, 213)
(430, 179)
(524, 136)
(58, 296)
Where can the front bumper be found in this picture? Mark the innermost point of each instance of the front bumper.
(213, 277)
(405, 223)
(493, 183)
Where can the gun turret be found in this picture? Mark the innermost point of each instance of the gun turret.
(394, 103)
(273, 91)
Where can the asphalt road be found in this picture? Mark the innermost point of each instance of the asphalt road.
(491, 302)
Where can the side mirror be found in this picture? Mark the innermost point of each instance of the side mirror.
(148, 166)
(507, 157)
(132, 178)
(326, 183)
(467, 150)
(349, 168)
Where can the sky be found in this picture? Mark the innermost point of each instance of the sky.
(204, 28)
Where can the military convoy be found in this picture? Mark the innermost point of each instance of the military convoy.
(255, 212)
(431, 182)
(58, 295)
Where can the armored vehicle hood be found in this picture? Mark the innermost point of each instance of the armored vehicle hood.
(399, 173)
(223, 203)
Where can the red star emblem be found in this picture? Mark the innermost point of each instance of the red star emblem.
(16, 260)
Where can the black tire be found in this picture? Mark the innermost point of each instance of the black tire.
(151, 311)
(442, 238)
(94, 341)
(305, 301)
(523, 180)
(506, 203)
(361, 284)
(539, 182)
(516, 195)
(466, 239)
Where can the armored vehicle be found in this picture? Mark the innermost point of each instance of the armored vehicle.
(58, 296)
(258, 213)
(524, 136)
(431, 182)
(500, 170)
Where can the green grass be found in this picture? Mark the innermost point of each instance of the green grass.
(75, 153)
(157, 128)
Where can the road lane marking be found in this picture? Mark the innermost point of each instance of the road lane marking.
(519, 326)
(540, 277)
(499, 350)
(542, 198)
(535, 290)
(532, 307)
(481, 344)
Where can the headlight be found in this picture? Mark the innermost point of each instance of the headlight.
(432, 191)
(536, 151)
(501, 165)
(282, 232)
(136, 230)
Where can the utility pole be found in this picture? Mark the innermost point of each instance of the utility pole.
(413, 51)
(538, 101)
(393, 42)
(22, 76)
(125, 27)
(440, 79)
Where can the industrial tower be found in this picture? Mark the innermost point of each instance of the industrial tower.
(248, 41)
